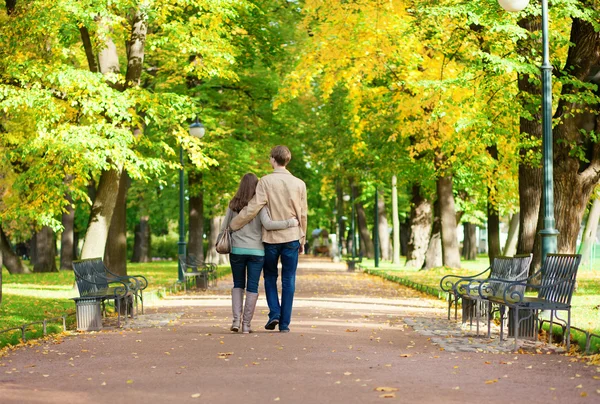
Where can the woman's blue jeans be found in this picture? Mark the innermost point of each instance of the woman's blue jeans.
(250, 265)
(288, 252)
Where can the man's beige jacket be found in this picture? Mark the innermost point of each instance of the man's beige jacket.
(285, 195)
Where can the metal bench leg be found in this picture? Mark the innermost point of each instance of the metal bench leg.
(477, 313)
(455, 308)
(502, 311)
(449, 304)
(118, 307)
(142, 300)
(567, 333)
(551, 326)
(489, 319)
(516, 328)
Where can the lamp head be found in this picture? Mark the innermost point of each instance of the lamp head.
(197, 129)
(513, 5)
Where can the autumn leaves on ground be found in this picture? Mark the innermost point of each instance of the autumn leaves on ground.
(349, 343)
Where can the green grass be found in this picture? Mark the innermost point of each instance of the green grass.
(33, 297)
(585, 314)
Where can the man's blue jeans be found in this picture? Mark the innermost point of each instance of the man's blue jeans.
(246, 264)
(288, 252)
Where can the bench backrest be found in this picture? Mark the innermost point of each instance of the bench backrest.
(90, 270)
(559, 269)
(510, 268)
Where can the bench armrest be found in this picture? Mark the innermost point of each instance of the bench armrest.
(516, 296)
(448, 282)
(140, 281)
(118, 292)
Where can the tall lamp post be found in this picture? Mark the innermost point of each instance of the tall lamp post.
(197, 130)
(376, 229)
(549, 233)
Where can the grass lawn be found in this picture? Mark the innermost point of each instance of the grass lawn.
(585, 313)
(33, 297)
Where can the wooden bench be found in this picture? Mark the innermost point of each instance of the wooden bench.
(466, 288)
(204, 274)
(558, 277)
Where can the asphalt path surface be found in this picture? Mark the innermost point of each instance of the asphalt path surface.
(348, 344)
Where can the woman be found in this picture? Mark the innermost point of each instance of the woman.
(247, 252)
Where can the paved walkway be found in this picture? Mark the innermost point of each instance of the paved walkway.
(355, 339)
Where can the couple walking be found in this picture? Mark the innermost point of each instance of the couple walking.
(268, 219)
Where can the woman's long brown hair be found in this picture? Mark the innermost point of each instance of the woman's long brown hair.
(245, 192)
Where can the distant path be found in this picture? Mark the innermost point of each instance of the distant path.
(348, 339)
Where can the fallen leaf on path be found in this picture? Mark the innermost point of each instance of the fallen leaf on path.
(349, 330)
(129, 381)
(347, 373)
(224, 355)
(388, 395)
(491, 381)
(195, 395)
(579, 387)
(456, 388)
(276, 399)
(583, 394)
(386, 389)
(405, 355)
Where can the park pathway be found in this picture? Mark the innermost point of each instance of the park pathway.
(350, 343)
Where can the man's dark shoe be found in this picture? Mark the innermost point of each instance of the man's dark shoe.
(284, 330)
(272, 324)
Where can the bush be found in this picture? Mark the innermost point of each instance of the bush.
(165, 246)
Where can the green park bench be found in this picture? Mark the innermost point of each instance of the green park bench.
(96, 285)
(203, 274)
(555, 290)
(466, 288)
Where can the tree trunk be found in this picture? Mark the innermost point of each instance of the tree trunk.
(101, 214)
(405, 235)
(395, 222)
(141, 242)
(11, 261)
(493, 231)
(10, 7)
(469, 251)
(365, 237)
(115, 254)
(433, 255)
(574, 179)
(1, 263)
(450, 250)
(589, 234)
(510, 248)
(196, 206)
(384, 233)
(213, 256)
(67, 237)
(530, 176)
(420, 228)
(45, 246)
(341, 225)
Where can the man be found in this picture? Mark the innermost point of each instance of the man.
(285, 196)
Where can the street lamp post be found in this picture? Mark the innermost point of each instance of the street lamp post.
(197, 130)
(549, 233)
(376, 230)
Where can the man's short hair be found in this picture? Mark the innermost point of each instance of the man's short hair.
(281, 154)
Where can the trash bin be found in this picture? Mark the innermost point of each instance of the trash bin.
(88, 312)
